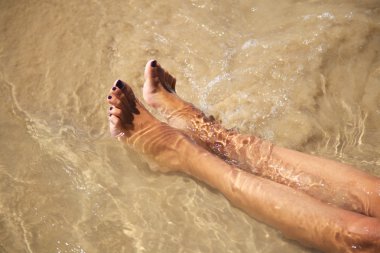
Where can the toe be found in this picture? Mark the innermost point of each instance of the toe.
(151, 69)
(134, 104)
(126, 95)
(118, 87)
(113, 100)
(170, 81)
(123, 102)
(115, 125)
(125, 117)
(152, 81)
(157, 77)
(120, 97)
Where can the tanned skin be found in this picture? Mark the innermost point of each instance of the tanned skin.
(332, 182)
(298, 215)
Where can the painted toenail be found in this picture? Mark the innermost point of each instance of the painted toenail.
(111, 108)
(153, 63)
(110, 115)
(109, 97)
(114, 88)
(119, 84)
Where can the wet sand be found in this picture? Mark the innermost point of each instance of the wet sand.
(303, 74)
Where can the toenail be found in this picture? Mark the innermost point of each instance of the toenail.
(114, 88)
(109, 97)
(119, 84)
(111, 108)
(110, 115)
(153, 63)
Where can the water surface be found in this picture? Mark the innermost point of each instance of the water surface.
(303, 74)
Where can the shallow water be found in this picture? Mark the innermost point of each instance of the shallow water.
(304, 74)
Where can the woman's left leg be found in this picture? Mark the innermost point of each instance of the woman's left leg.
(332, 182)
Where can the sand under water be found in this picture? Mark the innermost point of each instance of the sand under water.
(303, 74)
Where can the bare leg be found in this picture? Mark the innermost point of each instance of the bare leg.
(332, 182)
(296, 214)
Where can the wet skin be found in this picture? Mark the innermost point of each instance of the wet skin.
(310, 221)
(331, 182)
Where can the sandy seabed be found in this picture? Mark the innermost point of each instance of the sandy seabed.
(303, 74)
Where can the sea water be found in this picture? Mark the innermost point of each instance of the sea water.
(303, 74)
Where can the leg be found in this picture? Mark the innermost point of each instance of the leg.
(329, 181)
(310, 222)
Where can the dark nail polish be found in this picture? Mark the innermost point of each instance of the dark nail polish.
(114, 88)
(110, 115)
(109, 97)
(111, 108)
(153, 63)
(119, 84)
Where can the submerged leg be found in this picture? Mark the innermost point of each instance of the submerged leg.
(332, 182)
(297, 215)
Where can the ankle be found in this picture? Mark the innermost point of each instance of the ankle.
(179, 114)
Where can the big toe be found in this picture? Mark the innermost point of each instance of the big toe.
(151, 69)
(157, 77)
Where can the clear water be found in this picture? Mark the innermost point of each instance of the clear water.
(304, 74)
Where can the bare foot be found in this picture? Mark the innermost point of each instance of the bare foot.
(159, 92)
(131, 123)
(159, 84)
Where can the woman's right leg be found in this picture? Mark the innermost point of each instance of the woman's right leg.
(297, 215)
(332, 182)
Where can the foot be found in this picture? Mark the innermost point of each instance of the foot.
(159, 85)
(131, 123)
(159, 92)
